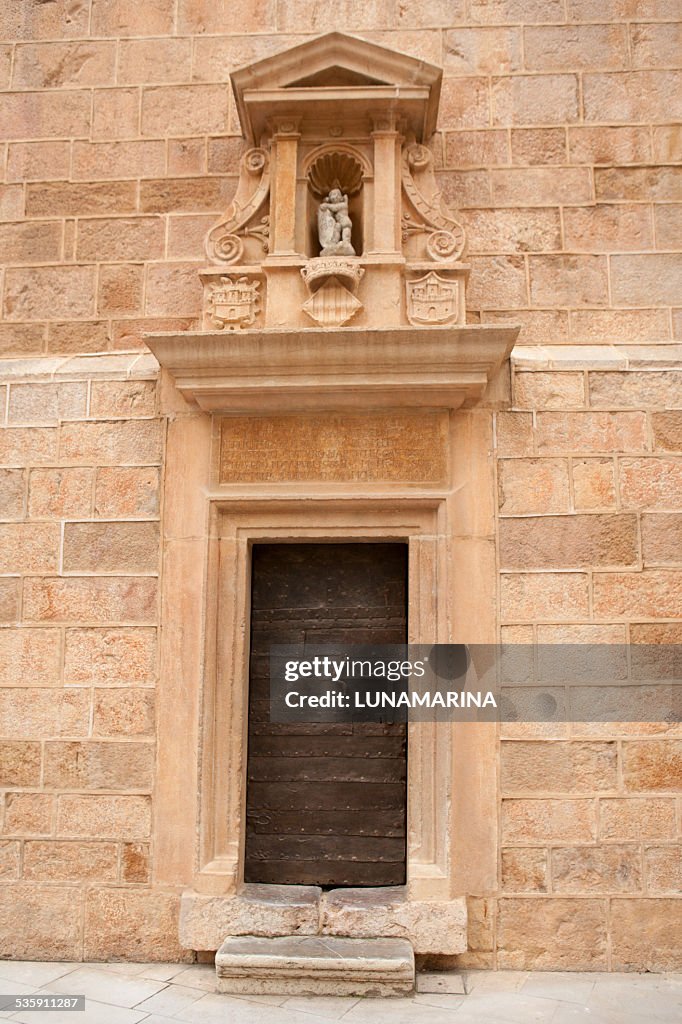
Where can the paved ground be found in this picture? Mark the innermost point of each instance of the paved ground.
(173, 993)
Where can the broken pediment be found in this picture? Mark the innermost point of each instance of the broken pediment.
(340, 69)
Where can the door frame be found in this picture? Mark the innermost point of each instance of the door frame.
(225, 700)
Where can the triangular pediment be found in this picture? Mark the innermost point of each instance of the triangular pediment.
(338, 52)
(336, 61)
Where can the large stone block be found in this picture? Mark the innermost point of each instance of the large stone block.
(47, 403)
(118, 398)
(651, 483)
(568, 280)
(535, 99)
(104, 817)
(31, 241)
(54, 861)
(298, 965)
(524, 870)
(78, 337)
(497, 281)
(653, 765)
(60, 493)
(646, 935)
(93, 161)
(532, 821)
(667, 428)
(532, 485)
(465, 103)
(540, 186)
(633, 96)
(571, 541)
(40, 922)
(596, 869)
(628, 325)
(45, 114)
(185, 110)
(111, 547)
(626, 144)
(27, 548)
(552, 934)
(121, 238)
(120, 289)
(638, 819)
(561, 767)
(477, 149)
(12, 493)
(569, 47)
(97, 600)
(38, 293)
(653, 593)
(112, 442)
(482, 51)
(584, 432)
(548, 390)
(646, 279)
(154, 61)
(19, 763)
(173, 289)
(62, 19)
(608, 228)
(110, 657)
(124, 492)
(68, 199)
(546, 595)
(44, 714)
(366, 913)
(662, 538)
(663, 867)
(29, 657)
(265, 910)
(123, 712)
(50, 65)
(185, 195)
(219, 16)
(115, 115)
(28, 814)
(128, 18)
(538, 146)
(98, 765)
(133, 925)
(594, 483)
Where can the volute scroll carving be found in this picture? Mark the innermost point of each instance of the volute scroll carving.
(428, 214)
(224, 243)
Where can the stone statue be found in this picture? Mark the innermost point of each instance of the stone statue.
(334, 225)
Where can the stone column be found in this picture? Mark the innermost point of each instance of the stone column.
(386, 141)
(283, 204)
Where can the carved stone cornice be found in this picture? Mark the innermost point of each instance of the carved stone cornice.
(322, 369)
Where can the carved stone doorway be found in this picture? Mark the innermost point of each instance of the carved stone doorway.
(326, 803)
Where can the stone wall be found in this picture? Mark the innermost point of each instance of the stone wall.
(81, 449)
(119, 143)
(589, 473)
(119, 147)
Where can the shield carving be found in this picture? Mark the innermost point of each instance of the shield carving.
(432, 300)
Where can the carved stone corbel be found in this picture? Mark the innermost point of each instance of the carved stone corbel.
(224, 243)
(426, 213)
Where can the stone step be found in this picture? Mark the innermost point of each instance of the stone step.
(311, 965)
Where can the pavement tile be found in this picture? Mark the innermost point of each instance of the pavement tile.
(559, 985)
(102, 986)
(94, 1013)
(327, 1007)
(515, 1007)
(30, 972)
(170, 1000)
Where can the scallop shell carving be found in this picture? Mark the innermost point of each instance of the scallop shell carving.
(335, 170)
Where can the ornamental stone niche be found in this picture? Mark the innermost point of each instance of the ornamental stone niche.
(340, 379)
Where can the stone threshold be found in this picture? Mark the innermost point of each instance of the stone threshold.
(270, 911)
(309, 966)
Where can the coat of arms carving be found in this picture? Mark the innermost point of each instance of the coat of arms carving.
(432, 300)
(234, 302)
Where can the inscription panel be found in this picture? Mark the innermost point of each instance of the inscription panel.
(375, 447)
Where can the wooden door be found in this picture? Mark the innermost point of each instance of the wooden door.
(326, 803)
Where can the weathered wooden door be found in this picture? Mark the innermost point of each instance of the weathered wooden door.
(326, 804)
